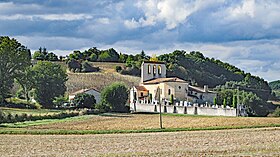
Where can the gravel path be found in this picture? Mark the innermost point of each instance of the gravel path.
(243, 142)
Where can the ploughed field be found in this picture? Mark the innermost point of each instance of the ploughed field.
(151, 121)
(241, 142)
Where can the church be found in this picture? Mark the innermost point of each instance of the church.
(155, 88)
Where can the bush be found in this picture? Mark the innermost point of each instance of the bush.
(74, 65)
(114, 97)
(84, 100)
(86, 67)
(276, 113)
(134, 71)
(20, 103)
(118, 68)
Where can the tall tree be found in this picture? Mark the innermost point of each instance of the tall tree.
(26, 81)
(14, 58)
(49, 83)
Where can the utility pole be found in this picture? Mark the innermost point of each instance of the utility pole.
(238, 102)
(160, 115)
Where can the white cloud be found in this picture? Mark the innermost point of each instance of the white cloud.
(103, 20)
(246, 8)
(131, 24)
(49, 17)
(171, 12)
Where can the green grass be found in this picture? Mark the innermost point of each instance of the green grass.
(82, 132)
(42, 122)
(28, 111)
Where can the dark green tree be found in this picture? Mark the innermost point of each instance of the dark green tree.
(84, 100)
(225, 102)
(74, 65)
(234, 101)
(51, 57)
(14, 58)
(215, 101)
(171, 99)
(115, 97)
(93, 57)
(26, 81)
(49, 83)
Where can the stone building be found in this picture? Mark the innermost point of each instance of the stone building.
(155, 86)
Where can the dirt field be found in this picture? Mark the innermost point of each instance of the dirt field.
(244, 142)
(151, 121)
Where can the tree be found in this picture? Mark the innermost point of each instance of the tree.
(93, 57)
(171, 99)
(74, 65)
(115, 97)
(26, 81)
(38, 55)
(86, 67)
(14, 58)
(84, 100)
(225, 102)
(51, 57)
(234, 101)
(59, 101)
(215, 101)
(49, 83)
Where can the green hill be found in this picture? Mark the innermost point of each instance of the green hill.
(275, 85)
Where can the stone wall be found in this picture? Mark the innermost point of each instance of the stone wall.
(194, 110)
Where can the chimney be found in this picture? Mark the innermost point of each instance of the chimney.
(205, 88)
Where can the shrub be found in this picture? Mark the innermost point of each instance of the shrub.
(276, 113)
(118, 68)
(84, 100)
(86, 67)
(115, 97)
(74, 65)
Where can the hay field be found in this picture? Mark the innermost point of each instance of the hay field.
(245, 142)
(151, 121)
(99, 80)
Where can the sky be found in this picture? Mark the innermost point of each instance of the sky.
(245, 33)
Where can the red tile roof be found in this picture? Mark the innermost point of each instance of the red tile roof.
(141, 88)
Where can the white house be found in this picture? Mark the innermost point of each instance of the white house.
(91, 91)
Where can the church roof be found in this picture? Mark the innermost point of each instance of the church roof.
(141, 88)
(160, 80)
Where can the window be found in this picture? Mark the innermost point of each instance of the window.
(169, 91)
(159, 70)
(149, 69)
(142, 94)
(179, 87)
(155, 69)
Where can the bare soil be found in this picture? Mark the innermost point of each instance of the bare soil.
(151, 121)
(243, 142)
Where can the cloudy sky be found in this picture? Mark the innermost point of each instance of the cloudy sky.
(245, 33)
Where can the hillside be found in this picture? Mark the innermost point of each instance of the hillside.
(275, 86)
(98, 80)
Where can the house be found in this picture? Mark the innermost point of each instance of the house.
(200, 95)
(91, 91)
(155, 86)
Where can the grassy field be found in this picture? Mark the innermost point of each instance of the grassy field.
(245, 142)
(99, 80)
(28, 111)
(135, 123)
